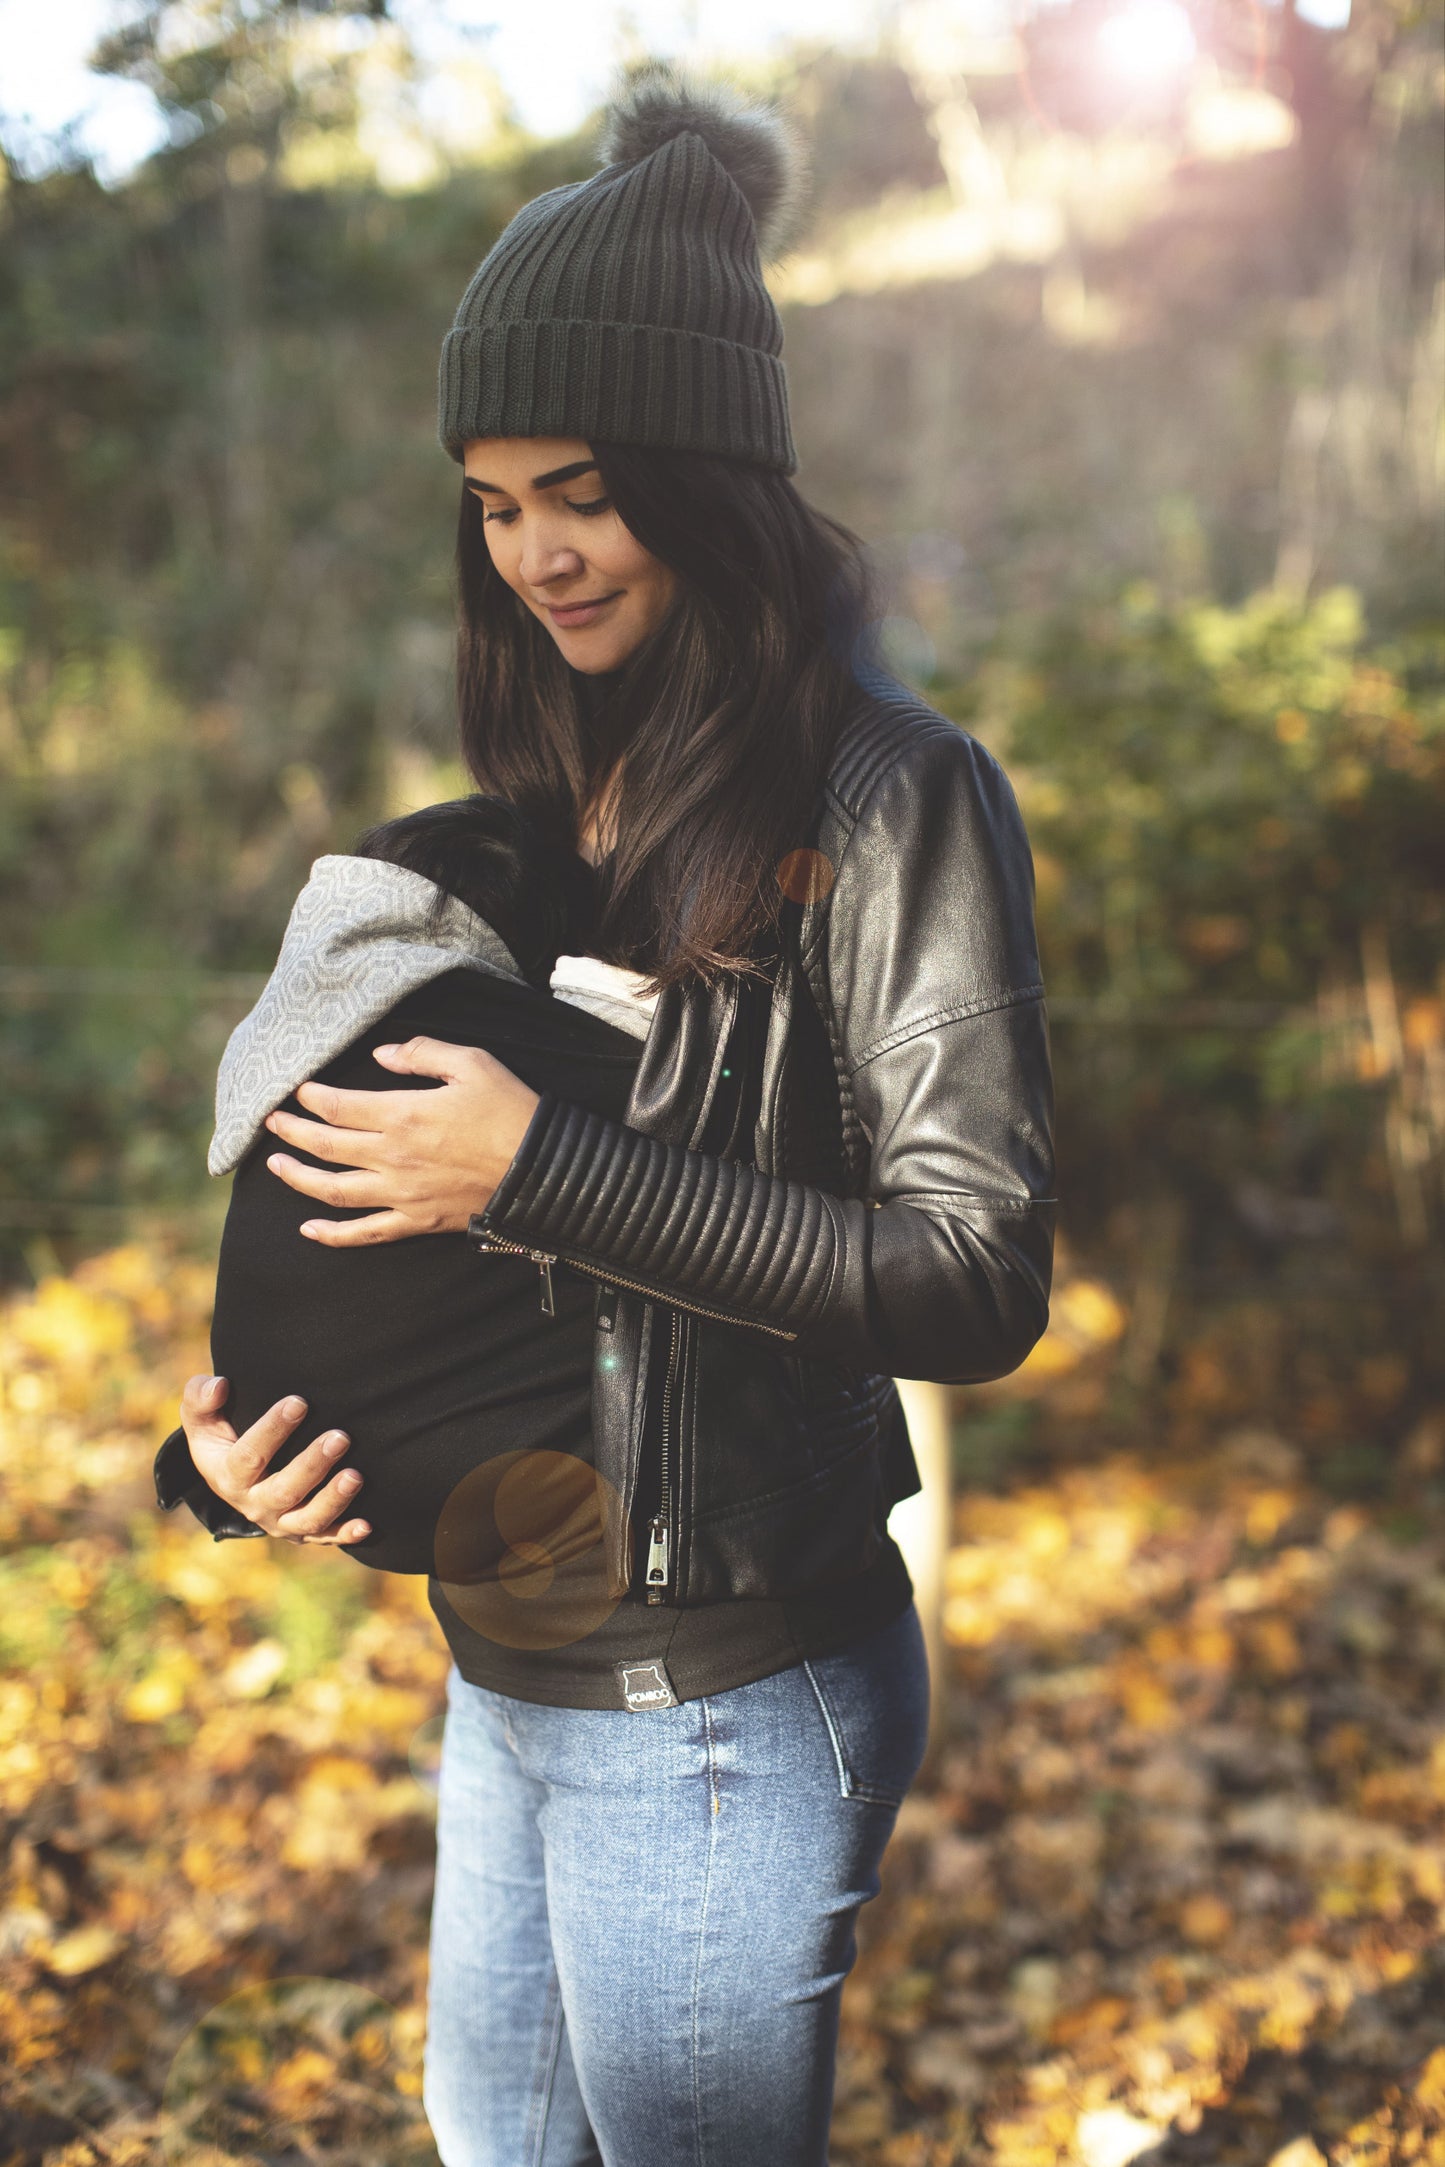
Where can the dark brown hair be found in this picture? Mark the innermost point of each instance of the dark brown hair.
(729, 711)
(538, 896)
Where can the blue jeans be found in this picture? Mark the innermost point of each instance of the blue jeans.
(642, 1923)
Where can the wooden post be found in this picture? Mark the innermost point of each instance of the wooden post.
(922, 1526)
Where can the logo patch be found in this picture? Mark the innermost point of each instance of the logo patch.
(645, 1686)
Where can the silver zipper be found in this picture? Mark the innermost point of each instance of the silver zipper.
(657, 1547)
(545, 1257)
(542, 1258)
(657, 1560)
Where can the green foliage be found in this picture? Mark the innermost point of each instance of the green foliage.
(1222, 799)
(313, 1616)
(1236, 818)
(224, 572)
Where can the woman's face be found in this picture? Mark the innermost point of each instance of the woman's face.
(555, 539)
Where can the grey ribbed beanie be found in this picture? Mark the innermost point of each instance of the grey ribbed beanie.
(630, 307)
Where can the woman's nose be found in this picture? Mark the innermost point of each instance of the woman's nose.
(543, 561)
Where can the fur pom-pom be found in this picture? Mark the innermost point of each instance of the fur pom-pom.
(657, 100)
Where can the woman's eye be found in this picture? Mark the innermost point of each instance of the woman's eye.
(591, 507)
(498, 515)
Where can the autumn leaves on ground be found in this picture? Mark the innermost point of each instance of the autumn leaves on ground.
(1173, 1892)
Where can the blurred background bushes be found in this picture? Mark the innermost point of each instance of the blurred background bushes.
(1137, 396)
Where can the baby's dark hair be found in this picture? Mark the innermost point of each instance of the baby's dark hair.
(535, 892)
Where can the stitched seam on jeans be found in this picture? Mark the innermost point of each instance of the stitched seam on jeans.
(542, 2097)
(701, 1938)
(845, 1781)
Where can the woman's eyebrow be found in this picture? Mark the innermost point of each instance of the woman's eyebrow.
(540, 481)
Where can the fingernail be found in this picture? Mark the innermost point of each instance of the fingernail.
(333, 1446)
(350, 1480)
(387, 1049)
(293, 1407)
(362, 1527)
(311, 1229)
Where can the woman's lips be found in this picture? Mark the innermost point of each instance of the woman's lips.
(580, 613)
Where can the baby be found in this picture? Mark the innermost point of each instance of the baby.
(454, 924)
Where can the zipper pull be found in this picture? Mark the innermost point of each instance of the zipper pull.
(544, 1264)
(607, 1307)
(657, 1561)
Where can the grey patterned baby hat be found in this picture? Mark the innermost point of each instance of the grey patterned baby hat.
(360, 937)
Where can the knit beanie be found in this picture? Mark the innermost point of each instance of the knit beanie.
(630, 307)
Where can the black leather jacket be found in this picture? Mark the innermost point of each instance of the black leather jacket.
(822, 1183)
(825, 1180)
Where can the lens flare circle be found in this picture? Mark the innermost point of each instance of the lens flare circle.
(521, 1553)
(1146, 41)
(805, 876)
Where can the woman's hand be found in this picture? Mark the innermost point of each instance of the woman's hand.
(426, 1160)
(235, 1467)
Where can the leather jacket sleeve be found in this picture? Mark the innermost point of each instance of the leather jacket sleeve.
(924, 962)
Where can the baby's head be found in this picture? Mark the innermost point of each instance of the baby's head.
(535, 893)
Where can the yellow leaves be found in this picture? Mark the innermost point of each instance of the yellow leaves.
(1300, 2152)
(1091, 1312)
(84, 1950)
(70, 1327)
(186, 1944)
(1209, 1645)
(194, 1576)
(1085, 1316)
(253, 1673)
(162, 1691)
(300, 2083)
(1205, 1920)
(1092, 2021)
(1155, 1788)
(1046, 1563)
(1045, 1535)
(1266, 1514)
(326, 2066)
(1430, 2085)
(328, 1830)
(1144, 1697)
(88, 1364)
(339, 1804)
(221, 1859)
(1053, 1864)
(1111, 2137)
(1050, 1357)
(1274, 1645)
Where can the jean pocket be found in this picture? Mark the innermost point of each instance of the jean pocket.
(873, 1698)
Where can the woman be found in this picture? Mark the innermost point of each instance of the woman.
(834, 1169)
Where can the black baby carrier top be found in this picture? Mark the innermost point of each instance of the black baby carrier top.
(429, 1355)
(468, 1404)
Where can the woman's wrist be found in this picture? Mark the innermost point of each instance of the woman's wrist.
(528, 1144)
